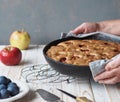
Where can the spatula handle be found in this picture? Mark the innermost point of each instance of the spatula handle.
(83, 99)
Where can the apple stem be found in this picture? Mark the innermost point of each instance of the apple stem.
(23, 30)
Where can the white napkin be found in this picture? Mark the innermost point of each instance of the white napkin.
(64, 35)
(97, 66)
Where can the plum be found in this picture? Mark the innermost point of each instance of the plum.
(8, 88)
(13, 90)
(2, 86)
(3, 80)
(4, 93)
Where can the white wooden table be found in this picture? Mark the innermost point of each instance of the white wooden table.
(81, 87)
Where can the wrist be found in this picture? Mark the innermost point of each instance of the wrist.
(100, 26)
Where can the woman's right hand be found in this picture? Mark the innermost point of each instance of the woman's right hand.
(86, 27)
(111, 75)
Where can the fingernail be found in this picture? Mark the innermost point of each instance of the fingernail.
(100, 82)
(95, 80)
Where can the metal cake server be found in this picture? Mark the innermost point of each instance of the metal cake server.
(48, 96)
(78, 99)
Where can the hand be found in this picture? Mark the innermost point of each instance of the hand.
(111, 75)
(87, 27)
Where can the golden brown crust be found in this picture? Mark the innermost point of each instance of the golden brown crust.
(81, 52)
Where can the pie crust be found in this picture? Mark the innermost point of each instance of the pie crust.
(81, 52)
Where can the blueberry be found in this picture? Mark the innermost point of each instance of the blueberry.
(13, 90)
(3, 80)
(4, 93)
(3, 86)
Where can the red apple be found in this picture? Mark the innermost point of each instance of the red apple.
(10, 55)
(20, 39)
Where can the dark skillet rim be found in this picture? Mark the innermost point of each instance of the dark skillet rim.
(55, 42)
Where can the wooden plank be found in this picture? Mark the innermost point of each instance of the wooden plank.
(30, 56)
(99, 92)
(79, 88)
(113, 92)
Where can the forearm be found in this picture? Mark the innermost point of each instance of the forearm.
(110, 26)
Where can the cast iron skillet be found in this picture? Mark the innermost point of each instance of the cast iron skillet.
(67, 69)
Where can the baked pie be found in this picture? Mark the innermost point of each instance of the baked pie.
(81, 52)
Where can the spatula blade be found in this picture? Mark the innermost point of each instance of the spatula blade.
(47, 95)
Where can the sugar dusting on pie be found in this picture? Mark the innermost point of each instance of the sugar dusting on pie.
(81, 52)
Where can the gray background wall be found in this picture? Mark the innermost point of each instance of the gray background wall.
(46, 19)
